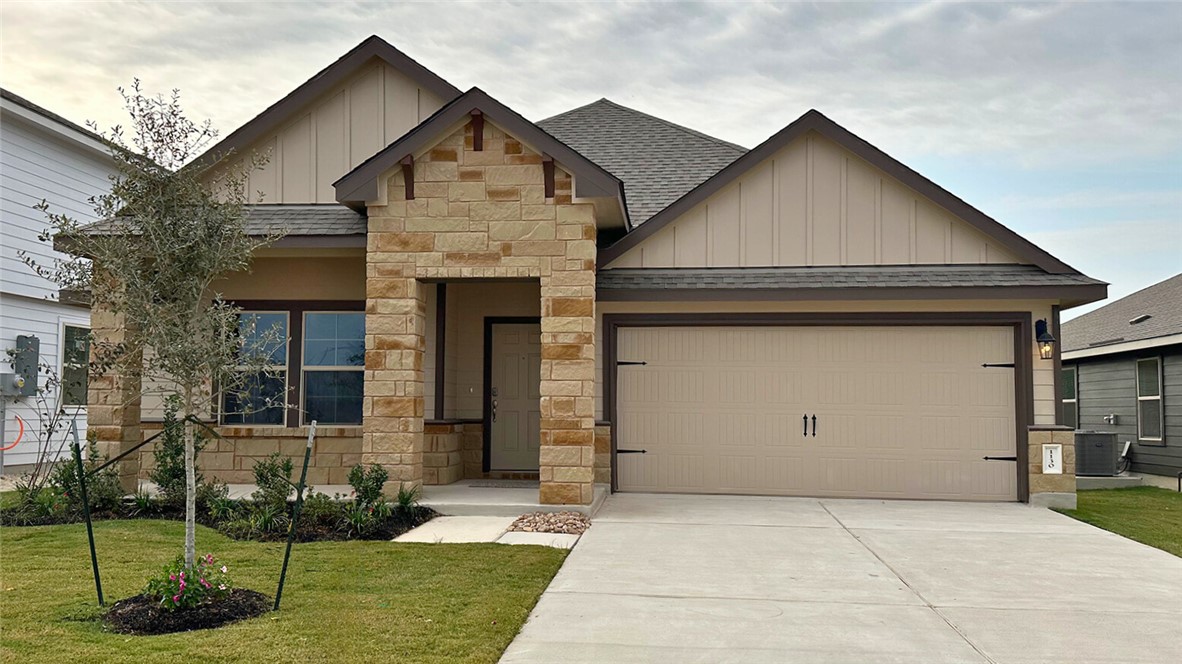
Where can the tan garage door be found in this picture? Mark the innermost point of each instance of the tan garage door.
(901, 412)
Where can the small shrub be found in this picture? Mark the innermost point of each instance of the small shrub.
(367, 483)
(239, 528)
(358, 519)
(179, 587)
(103, 490)
(169, 473)
(221, 509)
(407, 500)
(273, 477)
(209, 492)
(142, 503)
(267, 519)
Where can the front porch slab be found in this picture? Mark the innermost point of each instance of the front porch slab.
(503, 498)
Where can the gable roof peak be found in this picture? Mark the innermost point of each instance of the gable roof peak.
(343, 67)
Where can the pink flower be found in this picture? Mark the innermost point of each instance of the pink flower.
(221, 586)
(172, 577)
(209, 558)
(182, 575)
(176, 599)
(224, 570)
(182, 588)
(206, 584)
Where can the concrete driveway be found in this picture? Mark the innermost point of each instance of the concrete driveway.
(750, 579)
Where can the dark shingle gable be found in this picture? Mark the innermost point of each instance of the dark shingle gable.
(658, 161)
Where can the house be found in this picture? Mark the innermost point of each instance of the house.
(608, 298)
(43, 157)
(1122, 372)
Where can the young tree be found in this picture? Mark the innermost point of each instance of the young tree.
(169, 229)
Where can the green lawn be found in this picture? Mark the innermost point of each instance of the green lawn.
(344, 601)
(1147, 514)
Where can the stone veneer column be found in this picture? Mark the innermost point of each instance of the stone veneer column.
(482, 215)
(1051, 490)
(113, 399)
(395, 324)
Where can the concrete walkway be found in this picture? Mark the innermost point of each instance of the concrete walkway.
(749, 579)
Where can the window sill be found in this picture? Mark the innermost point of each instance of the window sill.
(1151, 443)
(273, 431)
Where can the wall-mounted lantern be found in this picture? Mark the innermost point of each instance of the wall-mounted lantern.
(1046, 342)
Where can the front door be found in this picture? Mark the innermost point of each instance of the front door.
(515, 395)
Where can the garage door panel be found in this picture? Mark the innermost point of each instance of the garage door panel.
(902, 412)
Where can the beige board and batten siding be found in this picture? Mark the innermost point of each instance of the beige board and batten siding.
(815, 203)
(1043, 370)
(336, 132)
(880, 412)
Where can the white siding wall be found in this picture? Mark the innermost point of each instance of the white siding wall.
(38, 162)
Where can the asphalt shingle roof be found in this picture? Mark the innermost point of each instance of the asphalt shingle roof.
(879, 276)
(1109, 324)
(291, 219)
(658, 161)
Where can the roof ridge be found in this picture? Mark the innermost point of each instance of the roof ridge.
(674, 125)
(5, 93)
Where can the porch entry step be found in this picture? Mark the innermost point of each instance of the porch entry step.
(504, 484)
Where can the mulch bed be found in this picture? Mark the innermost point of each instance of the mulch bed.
(143, 615)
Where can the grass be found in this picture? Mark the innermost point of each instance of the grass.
(1147, 514)
(343, 601)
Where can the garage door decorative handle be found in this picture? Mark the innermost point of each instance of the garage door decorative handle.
(805, 417)
(627, 363)
(1000, 458)
(631, 451)
(814, 426)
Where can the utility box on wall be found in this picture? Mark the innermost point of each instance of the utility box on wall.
(26, 363)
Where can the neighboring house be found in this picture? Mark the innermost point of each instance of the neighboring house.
(1122, 372)
(43, 157)
(607, 297)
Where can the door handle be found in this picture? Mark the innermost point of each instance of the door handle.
(494, 410)
(814, 426)
(805, 417)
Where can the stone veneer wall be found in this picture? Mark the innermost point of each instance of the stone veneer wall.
(603, 453)
(447, 448)
(335, 452)
(481, 215)
(113, 400)
(1052, 490)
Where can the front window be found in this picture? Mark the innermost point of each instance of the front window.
(1069, 387)
(333, 366)
(75, 364)
(1149, 407)
(261, 396)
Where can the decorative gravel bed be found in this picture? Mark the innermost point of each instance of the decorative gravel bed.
(570, 523)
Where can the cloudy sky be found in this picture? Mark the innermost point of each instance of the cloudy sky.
(1063, 121)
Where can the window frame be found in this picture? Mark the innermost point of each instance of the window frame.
(62, 324)
(302, 397)
(1074, 369)
(285, 368)
(295, 309)
(1159, 398)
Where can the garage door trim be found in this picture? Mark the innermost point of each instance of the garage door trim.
(1020, 321)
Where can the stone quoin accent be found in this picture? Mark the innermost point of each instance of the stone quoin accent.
(480, 215)
(113, 398)
(1052, 490)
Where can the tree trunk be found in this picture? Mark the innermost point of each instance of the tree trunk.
(190, 482)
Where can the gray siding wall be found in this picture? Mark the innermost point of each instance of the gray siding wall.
(1108, 385)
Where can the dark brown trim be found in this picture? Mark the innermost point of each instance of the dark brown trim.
(440, 347)
(323, 81)
(1055, 332)
(1080, 294)
(361, 184)
(489, 322)
(408, 176)
(548, 176)
(1019, 320)
(295, 344)
(477, 131)
(814, 120)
